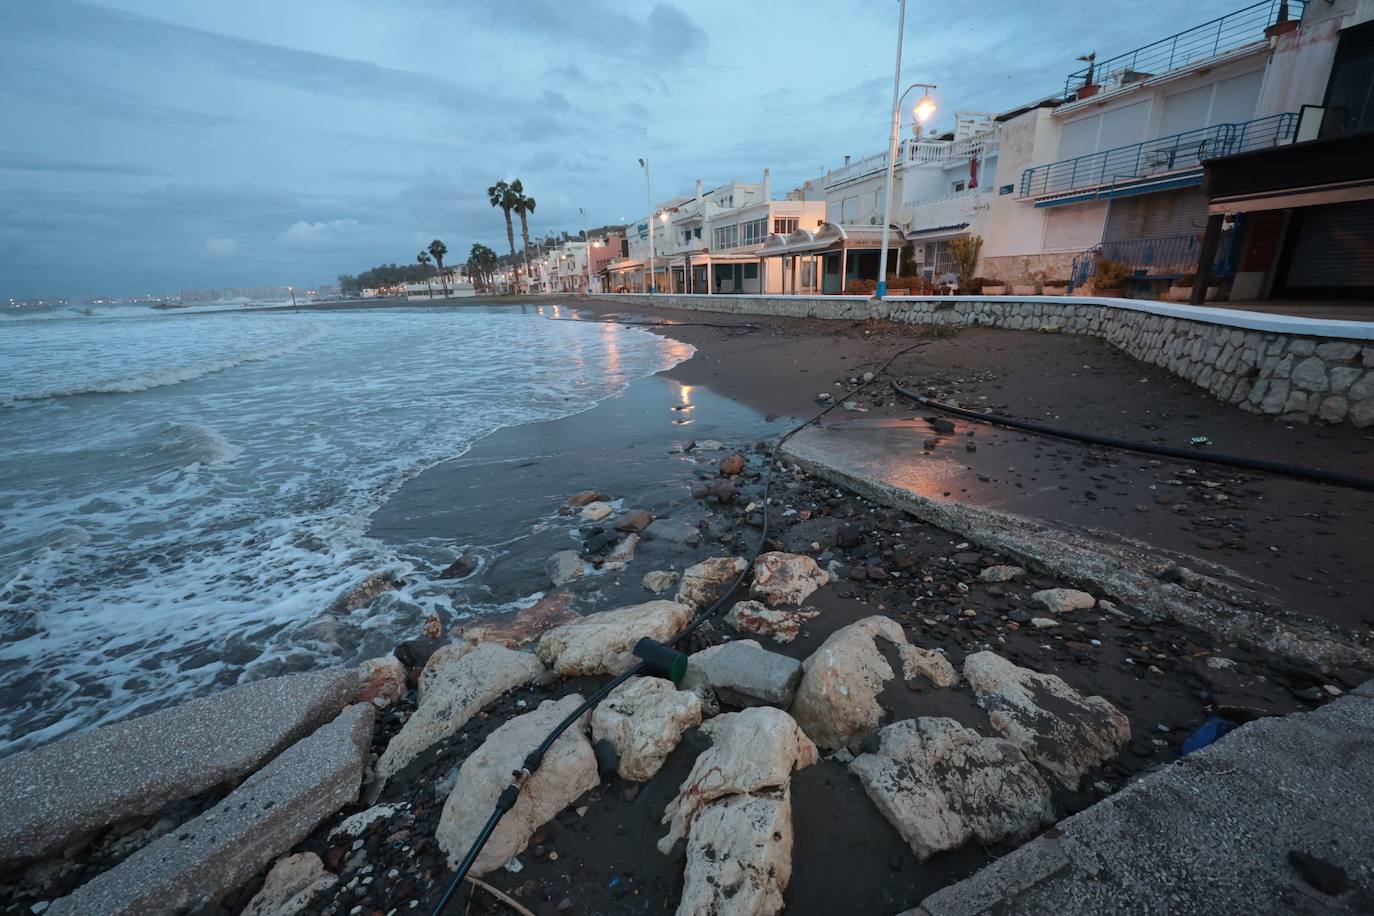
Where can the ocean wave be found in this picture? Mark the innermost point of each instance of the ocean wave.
(174, 375)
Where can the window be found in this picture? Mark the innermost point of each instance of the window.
(751, 271)
(696, 233)
(752, 232)
(785, 226)
(958, 186)
(727, 237)
(687, 236)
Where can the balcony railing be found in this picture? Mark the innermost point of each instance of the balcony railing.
(1234, 30)
(1162, 156)
(1158, 258)
(918, 151)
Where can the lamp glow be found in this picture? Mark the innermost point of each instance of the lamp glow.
(925, 108)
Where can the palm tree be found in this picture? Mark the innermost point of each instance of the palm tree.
(501, 195)
(423, 260)
(524, 206)
(439, 249)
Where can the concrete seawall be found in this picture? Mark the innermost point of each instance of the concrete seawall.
(1295, 368)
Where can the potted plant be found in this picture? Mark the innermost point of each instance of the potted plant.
(1024, 289)
(1109, 278)
(1055, 288)
(965, 251)
(1089, 87)
(992, 287)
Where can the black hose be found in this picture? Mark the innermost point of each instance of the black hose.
(1313, 475)
(536, 757)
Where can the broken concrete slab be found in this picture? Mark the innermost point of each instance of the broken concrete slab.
(603, 643)
(644, 719)
(272, 811)
(457, 692)
(743, 673)
(568, 770)
(941, 784)
(1053, 724)
(63, 791)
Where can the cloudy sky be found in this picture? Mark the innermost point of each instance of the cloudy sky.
(153, 145)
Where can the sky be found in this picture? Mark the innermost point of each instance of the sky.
(155, 145)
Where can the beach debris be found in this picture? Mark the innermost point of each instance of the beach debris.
(659, 581)
(706, 581)
(743, 673)
(757, 619)
(941, 784)
(604, 642)
(643, 719)
(1054, 725)
(785, 578)
(291, 884)
(1063, 600)
(381, 681)
(568, 770)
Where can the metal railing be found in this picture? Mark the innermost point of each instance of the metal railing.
(1157, 258)
(1234, 30)
(1161, 156)
(915, 150)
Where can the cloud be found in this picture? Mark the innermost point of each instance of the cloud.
(24, 162)
(221, 247)
(601, 27)
(335, 234)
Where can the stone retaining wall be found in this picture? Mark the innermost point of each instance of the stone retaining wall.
(1293, 368)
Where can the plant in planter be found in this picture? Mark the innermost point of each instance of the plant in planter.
(897, 285)
(1089, 88)
(994, 288)
(1181, 289)
(1055, 288)
(1109, 278)
(965, 251)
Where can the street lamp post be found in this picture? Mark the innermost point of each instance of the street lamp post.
(587, 239)
(649, 200)
(924, 109)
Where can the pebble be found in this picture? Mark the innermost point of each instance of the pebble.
(1043, 623)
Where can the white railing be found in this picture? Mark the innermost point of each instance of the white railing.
(866, 166)
(949, 209)
(938, 151)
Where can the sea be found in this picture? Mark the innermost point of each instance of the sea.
(185, 494)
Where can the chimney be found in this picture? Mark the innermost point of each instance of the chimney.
(767, 185)
(846, 160)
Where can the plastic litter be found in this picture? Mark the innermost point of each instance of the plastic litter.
(1209, 732)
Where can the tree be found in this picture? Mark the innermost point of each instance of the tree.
(423, 260)
(501, 195)
(438, 249)
(965, 251)
(524, 205)
(481, 263)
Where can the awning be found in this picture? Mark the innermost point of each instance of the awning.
(831, 237)
(936, 232)
(1131, 190)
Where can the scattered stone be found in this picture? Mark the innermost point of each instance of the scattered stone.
(568, 770)
(272, 811)
(635, 521)
(786, 578)
(732, 466)
(526, 624)
(460, 568)
(708, 580)
(586, 497)
(365, 591)
(1053, 724)
(1219, 663)
(743, 673)
(1043, 623)
(739, 857)
(837, 700)
(1001, 574)
(381, 681)
(456, 692)
(643, 719)
(659, 581)
(290, 886)
(564, 566)
(1063, 600)
(595, 512)
(621, 554)
(942, 425)
(355, 825)
(724, 492)
(603, 643)
(133, 768)
(758, 619)
(433, 627)
(941, 784)
(675, 531)
(709, 445)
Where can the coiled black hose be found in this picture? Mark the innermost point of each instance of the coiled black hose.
(1313, 475)
(508, 796)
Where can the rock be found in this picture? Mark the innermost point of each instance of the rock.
(709, 445)
(751, 751)
(456, 692)
(564, 566)
(603, 643)
(708, 580)
(644, 719)
(433, 627)
(568, 770)
(739, 857)
(635, 521)
(621, 555)
(525, 625)
(1219, 663)
(785, 578)
(365, 591)
(724, 492)
(578, 500)
(659, 581)
(595, 512)
(272, 811)
(1001, 574)
(732, 466)
(1063, 600)
(743, 673)
(290, 886)
(1043, 623)
(758, 619)
(1316, 872)
(414, 654)
(441, 657)
(1311, 375)
(135, 767)
(1054, 725)
(674, 531)
(381, 681)
(460, 568)
(355, 825)
(941, 785)
(837, 700)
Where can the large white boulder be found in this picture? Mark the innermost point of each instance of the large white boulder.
(644, 719)
(604, 643)
(782, 579)
(443, 656)
(941, 785)
(568, 770)
(837, 701)
(292, 883)
(751, 751)
(739, 856)
(708, 580)
(758, 619)
(456, 692)
(1053, 724)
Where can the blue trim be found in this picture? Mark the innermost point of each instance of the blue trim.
(1187, 181)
